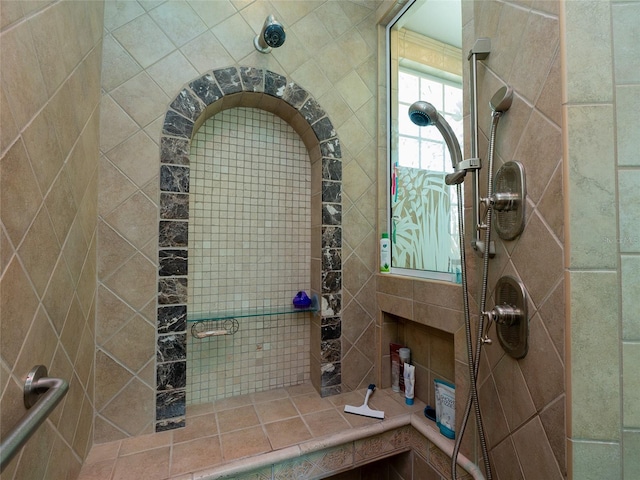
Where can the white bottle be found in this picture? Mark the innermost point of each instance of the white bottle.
(385, 254)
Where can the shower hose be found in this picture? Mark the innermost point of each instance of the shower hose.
(474, 359)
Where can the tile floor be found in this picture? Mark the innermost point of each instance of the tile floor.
(234, 428)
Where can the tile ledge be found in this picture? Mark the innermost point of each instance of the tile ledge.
(427, 430)
(423, 427)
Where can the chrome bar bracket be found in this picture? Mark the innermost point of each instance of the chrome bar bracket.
(480, 50)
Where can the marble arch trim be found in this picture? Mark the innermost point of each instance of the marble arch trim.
(201, 98)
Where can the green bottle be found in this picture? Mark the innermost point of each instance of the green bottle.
(385, 253)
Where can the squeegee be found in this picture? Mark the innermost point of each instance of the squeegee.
(364, 408)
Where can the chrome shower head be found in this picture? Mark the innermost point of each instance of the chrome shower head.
(424, 114)
(501, 100)
(272, 35)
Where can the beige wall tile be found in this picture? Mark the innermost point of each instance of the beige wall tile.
(19, 304)
(144, 40)
(116, 125)
(20, 195)
(141, 98)
(178, 21)
(117, 64)
(132, 219)
(9, 130)
(205, 52)
(21, 76)
(39, 250)
(118, 409)
(118, 13)
(534, 452)
(11, 12)
(233, 33)
(539, 45)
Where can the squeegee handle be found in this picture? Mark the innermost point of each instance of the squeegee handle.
(370, 390)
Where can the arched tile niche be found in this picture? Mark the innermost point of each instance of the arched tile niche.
(201, 98)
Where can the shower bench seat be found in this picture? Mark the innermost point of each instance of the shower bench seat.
(348, 450)
(198, 453)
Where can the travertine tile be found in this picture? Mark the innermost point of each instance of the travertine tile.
(310, 403)
(287, 432)
(150, 464)
(237, 418)
(143, 443)
(179, 22)
(275, 410)
(195, 455)
(20, 195)
(39, 250)
(243, 443)
(117, 14)
(139, 97)
(21, 76)
(325, 422)
(117, 64)
(115, 125)
(144, 40)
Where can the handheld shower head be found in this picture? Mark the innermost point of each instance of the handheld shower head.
(271, 36)
(424, 114)
(501, 100)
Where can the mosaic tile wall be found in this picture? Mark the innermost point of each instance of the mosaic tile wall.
(203, 97)
(249, 251)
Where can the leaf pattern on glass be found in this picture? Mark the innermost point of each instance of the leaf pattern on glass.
(422, 214)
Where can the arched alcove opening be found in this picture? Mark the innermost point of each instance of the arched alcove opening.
(200, 99)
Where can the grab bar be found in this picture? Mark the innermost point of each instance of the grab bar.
(43, 394)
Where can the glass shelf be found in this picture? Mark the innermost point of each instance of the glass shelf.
(253, 312)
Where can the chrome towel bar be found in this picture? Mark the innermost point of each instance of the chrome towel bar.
(41, 395)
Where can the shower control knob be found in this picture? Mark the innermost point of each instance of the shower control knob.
(505, 201)
(505, 315)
